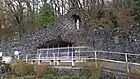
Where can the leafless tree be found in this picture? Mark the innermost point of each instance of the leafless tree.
(22, 12)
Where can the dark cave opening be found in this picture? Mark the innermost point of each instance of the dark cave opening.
(76, 17)
(55, 43)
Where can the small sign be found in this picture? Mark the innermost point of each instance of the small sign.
(116, 40)
(1, 54)
(16, 53)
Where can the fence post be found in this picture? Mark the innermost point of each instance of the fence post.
(51, 62)
(47, 54)
(126, 60)
(39, 59)
(68, 53)
(54, 59)
(38, 54)
(26, 58)
(96, 63)
(18, 57)
(58, 61)
(72, 57)
(58, 53)
(79, 54)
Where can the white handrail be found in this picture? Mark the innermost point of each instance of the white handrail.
(63, 48)
(81, 57)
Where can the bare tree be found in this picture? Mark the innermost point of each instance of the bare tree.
(25, 11)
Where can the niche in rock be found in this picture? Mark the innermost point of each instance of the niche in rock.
(77, 20)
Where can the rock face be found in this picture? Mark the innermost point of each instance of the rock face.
(66, 30)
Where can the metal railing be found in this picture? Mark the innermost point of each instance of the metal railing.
(81, 53)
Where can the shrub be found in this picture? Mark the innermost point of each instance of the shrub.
(51, 71)
(30, 77)
(90, 68)
(93, 77)
(83, 77)
(49, 76)
(65, 77)
(40, 70)
(22, 68)
(75, 77)
(5, 68)
(134, 72)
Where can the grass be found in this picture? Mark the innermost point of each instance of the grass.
(134, 72)
(93, 68)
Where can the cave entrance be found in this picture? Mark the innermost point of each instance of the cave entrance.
(53, 48)
(77, 20)
(55, 44)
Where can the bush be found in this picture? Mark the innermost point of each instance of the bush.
(30, 77)
(41, 70)
(92, 77)
(134, 73)
(75, 77)
(5, 68)
(90, 68)
(51, 71)
(49, 76)
(83, 77)
(23, 68)
(65, 77)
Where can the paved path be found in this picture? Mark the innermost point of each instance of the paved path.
(104, 64)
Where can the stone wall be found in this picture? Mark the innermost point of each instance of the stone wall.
(102, 40)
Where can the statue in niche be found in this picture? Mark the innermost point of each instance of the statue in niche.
(76, 20)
